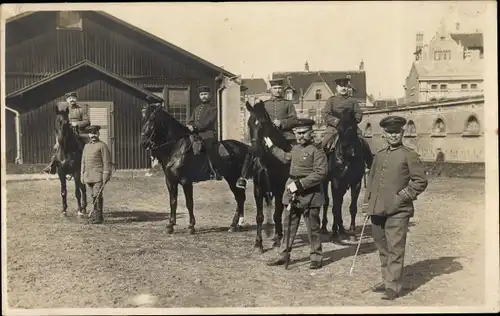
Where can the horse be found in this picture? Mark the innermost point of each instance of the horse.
(69, 160)
(169, 141)
(269, 174)
(343, 175)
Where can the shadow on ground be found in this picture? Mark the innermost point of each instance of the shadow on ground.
(118, 217)
(421, 272)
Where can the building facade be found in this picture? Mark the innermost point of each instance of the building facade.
(450, 65)
(455, 126)
(113, 66)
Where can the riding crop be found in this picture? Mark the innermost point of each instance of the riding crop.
(359, 244)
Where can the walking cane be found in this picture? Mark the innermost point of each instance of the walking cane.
(290, 209)
(97, 199)
(359, 244)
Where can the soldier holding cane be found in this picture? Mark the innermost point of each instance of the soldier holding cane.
(395, 180)
(96, 170)
(308, 168)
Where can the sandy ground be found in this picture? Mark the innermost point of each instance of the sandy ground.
(56, 262)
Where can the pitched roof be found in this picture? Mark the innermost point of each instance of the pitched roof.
(255, 86)
(462, 68)
(302, 80)
(472, 40)
(72, 78)
(136, 30)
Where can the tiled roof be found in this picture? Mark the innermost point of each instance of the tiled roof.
(255, 86)
(303, 80)
(471, 40)
(449, 69)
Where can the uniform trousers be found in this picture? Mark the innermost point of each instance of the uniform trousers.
(312, 221)
(97, 198)
(389, 234)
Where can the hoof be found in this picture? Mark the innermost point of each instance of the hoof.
(323, 230)
(232, 229)
(191, 230)
(353, 238)
(276, 243)
(170, 229)
(259, 247)
(64, 213)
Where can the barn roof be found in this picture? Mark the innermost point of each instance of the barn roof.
(167, 46)
(69, 79)
(255, 86)
(302, 80)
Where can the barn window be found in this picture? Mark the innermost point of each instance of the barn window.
(472, 127)
(368, 130)
(439, 128)
(318, 94)
(411, 129)
(69, 20)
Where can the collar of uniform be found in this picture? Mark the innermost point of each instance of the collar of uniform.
(276, 98)
(389, 148)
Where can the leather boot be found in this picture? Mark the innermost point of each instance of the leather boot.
(214, 175)
(98, 217)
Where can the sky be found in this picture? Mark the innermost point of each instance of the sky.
(256, 39)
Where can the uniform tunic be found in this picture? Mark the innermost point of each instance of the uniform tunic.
(204, 119)
(80, 115)
(396, 178)
(283, 110)
(332, 112)
(309, 166)
(96, 162)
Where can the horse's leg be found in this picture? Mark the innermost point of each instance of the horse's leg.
(78, 194)
(83, 189)
(277, 216)
(188, 194)
(324, 222)
(353, 209)
(338, 192)
(259, 204)
(64, 192)
(173, 191)
(240, 197)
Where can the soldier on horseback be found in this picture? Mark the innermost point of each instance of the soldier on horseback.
(203, 122)
(80, 120)
(283, 114)
(342, 115)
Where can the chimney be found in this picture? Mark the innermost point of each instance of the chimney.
(419, 44)
(362, 65)
(306, 66)
(457, 26)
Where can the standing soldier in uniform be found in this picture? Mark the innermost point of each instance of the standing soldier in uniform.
(308, 167)
(79, 118)
(283, 114)
(342, 111)
(96, 170)
(395, 180)
(203, 122)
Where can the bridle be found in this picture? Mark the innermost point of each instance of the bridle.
(153, 134)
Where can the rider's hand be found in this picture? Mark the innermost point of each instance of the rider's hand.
(190, 127)
(268, 141)
(277, 123)
(74, 124)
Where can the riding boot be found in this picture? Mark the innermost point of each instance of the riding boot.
(214, 175)
(97, 217)
(242, 181)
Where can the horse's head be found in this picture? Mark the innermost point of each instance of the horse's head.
(62, 124)
(159, 127)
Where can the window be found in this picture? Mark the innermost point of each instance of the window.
(464, 86)
(439, 127)
(437, 55)
(368, 130)
(411, 129)
(312, 114)
(178, 103)
(473, 85)
(69, 20)
(434, 87)
(443, 87)
(472, 126)
(318, 94)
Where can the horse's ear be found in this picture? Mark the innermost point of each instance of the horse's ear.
(248, 106)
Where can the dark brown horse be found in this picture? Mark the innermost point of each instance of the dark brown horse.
(345, 174)
(269, 173)
(170, 142)
(69, 160)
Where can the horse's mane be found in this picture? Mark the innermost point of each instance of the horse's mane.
(259, 113)
(172, 124)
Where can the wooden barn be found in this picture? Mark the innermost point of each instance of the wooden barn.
(112, 65)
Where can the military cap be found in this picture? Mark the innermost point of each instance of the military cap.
(276, 82)
(151, 100)
(392, 123)
(203, 89)
(70, 94)
(303, 123)
(344, 79)
(93, 129)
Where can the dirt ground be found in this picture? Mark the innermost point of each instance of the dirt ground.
(56, 262)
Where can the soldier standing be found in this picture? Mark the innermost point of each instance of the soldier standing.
(203, 122)
(283, 114)
(96, 170)
(80, 120)
(395, 180)
(308, 168)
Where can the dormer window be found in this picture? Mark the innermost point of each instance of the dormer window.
(69, 20)
(318, 94)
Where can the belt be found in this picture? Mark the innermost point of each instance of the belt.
(297, 177)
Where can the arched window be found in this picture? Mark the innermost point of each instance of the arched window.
(411, 129)
(472, 127)
(439, 127)
(319, 95)
(368, 130)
